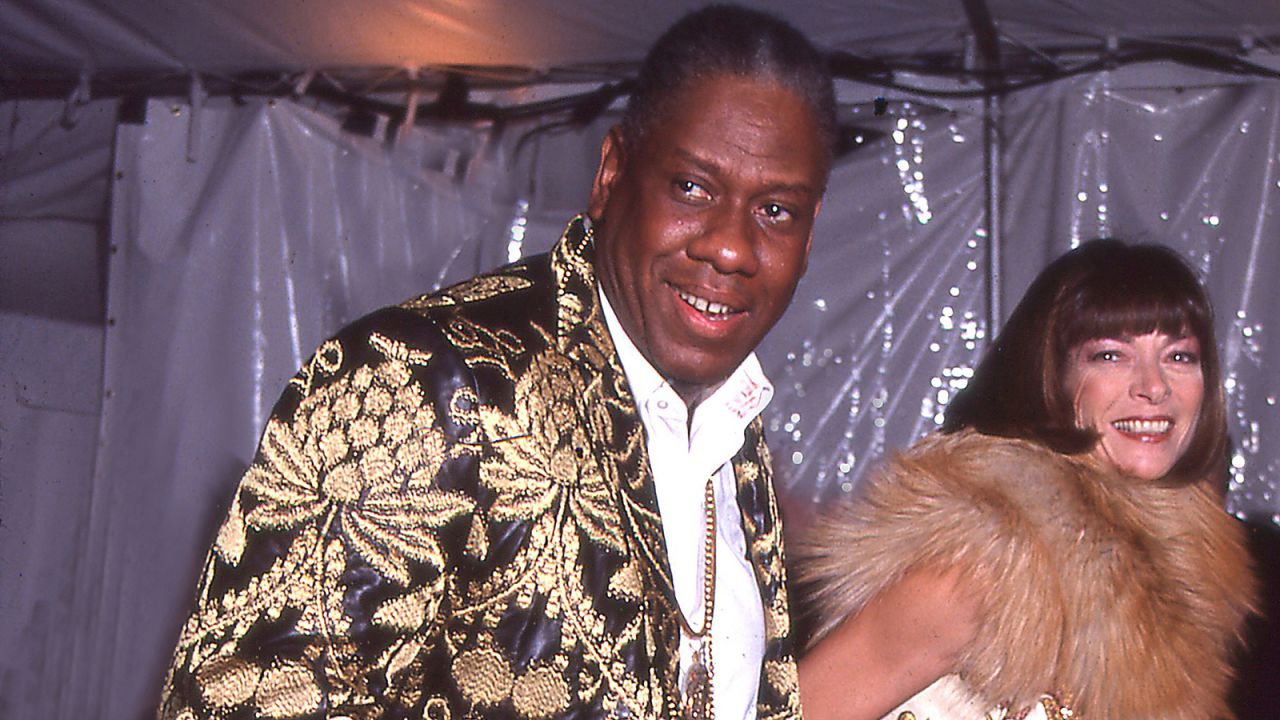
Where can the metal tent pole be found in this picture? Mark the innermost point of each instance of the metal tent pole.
(987, 39)
(993, 152)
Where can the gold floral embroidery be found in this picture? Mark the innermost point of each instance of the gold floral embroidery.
(541, 456)
(438, 709)
(500, 511)
(401, 658)
(362, 459)
(627, 583)
(230, 542)
(326, 361)
(540, 693)
(400, 352)
(287, 691)
(483, 676)
(483, 346)
(407, 612)
(783, 677)
(228, 682)
(476, 289)
(283, 691)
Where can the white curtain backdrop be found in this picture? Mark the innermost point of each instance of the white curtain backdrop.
(243, 235)
(892, 314)
(1191, 165)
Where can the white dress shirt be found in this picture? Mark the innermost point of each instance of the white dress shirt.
(682, 457)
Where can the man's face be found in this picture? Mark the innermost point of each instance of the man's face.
(703, 230)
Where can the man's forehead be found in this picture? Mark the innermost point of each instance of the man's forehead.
(699, 88)
(719, 87)
(728, 116)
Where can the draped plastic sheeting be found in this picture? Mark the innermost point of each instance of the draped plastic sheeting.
(242, 237)
(1196, 168)
(52, 198)
(892, 315)
(231, 35)
(245, 235)
(893, 300)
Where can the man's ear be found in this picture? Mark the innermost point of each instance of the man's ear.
(612, 158)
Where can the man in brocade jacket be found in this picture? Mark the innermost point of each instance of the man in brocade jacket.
(544, 492)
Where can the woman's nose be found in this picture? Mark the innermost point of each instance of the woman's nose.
(1149, 382)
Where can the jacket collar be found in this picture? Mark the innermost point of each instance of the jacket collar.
(619, 443)
(615, 428)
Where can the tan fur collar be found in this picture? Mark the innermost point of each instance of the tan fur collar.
(1128, 597)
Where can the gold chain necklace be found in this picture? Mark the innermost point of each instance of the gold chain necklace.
(698, 700)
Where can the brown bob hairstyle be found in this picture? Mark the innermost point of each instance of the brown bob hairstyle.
(1103, 288)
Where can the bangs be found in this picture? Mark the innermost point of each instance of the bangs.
(1126, 301)
(1135, 316)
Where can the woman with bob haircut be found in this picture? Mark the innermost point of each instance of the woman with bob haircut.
(1060, 549)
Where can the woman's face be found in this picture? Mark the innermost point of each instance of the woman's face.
(1142, 394)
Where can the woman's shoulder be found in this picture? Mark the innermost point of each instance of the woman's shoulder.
(971, 445)
(982, 462)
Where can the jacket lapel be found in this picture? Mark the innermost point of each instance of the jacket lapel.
(618, 440)
(614, 427)
(779, 683)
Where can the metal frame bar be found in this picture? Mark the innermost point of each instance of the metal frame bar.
(989, 61)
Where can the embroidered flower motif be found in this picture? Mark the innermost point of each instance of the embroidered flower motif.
(541, 459)
(352, 472)
(361, 452)
(474, 290)
(483, 675)
(540, 693)
(284, 690)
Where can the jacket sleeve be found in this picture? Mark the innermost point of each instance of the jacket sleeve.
(323, 586)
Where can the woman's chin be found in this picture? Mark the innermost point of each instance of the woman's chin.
(1142, 463)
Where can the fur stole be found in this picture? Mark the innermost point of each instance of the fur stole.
(1127, 597)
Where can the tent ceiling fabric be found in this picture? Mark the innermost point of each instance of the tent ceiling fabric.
(231, 36)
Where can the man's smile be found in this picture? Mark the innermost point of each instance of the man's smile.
(710, 308)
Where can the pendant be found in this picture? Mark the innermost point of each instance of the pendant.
(697, 687)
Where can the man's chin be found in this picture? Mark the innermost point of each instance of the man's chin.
(694, 388)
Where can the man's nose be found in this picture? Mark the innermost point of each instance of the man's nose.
(728, 241)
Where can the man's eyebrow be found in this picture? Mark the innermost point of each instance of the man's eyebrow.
(712, 168)
(706, 165)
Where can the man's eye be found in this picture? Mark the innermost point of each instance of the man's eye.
(692, 190)
(776, 213)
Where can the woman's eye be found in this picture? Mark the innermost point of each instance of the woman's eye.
(1185, 357)
(1105, 356)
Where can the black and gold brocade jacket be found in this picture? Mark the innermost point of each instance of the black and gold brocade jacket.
(451, 515)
